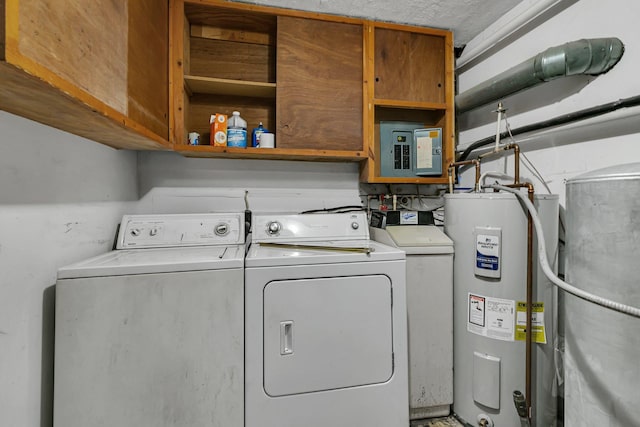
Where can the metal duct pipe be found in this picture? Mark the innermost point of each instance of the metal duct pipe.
(585, 56)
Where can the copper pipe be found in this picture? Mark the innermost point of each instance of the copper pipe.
(529, 325)
(474, 162)
(516, 159)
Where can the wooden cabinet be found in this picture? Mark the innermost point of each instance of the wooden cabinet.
(409, 66)
(299, 75)
(322, 84)
(410, 77)
(319, 92)
(222, 60)
(143, 74)
(95, 69)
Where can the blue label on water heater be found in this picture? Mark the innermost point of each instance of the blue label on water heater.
(487, 250)
(487, 262)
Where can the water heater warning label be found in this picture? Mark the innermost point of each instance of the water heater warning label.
(538, 331)
(491, 317)
(487, 262)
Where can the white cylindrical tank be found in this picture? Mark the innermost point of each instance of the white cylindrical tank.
(489, 231)
(602, 347)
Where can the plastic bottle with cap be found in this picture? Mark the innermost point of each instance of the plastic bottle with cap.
(256, 134)
(236, 131)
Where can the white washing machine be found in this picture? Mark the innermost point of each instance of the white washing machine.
(151, 334)
(430, 315)
(325, 324)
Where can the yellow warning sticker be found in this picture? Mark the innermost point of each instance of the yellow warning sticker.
(537, 322)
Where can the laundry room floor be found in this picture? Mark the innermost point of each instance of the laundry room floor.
(438, 422)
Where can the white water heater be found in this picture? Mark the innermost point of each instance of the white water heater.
(602, 347)
(489, 231)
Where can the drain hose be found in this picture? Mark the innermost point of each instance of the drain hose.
(544, 263)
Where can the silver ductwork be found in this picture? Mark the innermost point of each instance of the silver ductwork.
(585, 56)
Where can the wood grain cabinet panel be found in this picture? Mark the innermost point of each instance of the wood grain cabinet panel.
(148, 65)
(95, 69)
(409, 66)
(83, 42)
(319, 84)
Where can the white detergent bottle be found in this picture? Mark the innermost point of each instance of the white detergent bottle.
(237, 131)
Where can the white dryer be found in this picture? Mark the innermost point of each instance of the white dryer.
(151, 334)
(325, 324)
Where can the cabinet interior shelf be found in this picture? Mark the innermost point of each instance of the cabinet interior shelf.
(392, 103)
(216, 86)
(270, 153)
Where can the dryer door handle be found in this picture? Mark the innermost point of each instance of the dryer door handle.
(286, 337)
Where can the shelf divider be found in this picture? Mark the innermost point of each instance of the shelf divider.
(216, 86)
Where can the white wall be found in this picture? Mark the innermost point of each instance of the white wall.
(172, 183)
(60, 199)
(562, 154)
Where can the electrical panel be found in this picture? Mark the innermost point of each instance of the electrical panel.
(408, 149)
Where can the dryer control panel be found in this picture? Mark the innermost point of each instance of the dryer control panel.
(155, 231)
(313, 227)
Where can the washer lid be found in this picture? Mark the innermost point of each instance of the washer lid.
(326, 252)
(163, 260)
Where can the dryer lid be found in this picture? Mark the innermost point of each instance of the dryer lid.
(161, 260)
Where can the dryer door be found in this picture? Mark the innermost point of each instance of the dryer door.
(328, 333)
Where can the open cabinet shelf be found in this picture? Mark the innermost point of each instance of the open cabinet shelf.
(270, 153)
(216, 86)
(409, 105)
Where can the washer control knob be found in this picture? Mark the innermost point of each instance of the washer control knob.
(135, 231)
(221, 229)
(355, 225)
(274, 227)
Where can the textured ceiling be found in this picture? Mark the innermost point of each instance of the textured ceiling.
(466, 18)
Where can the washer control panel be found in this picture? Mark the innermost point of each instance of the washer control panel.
(154, 231)
(310, 227)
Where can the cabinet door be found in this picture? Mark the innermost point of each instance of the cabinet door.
(109, 58)
(409, 66)
(319, 84)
